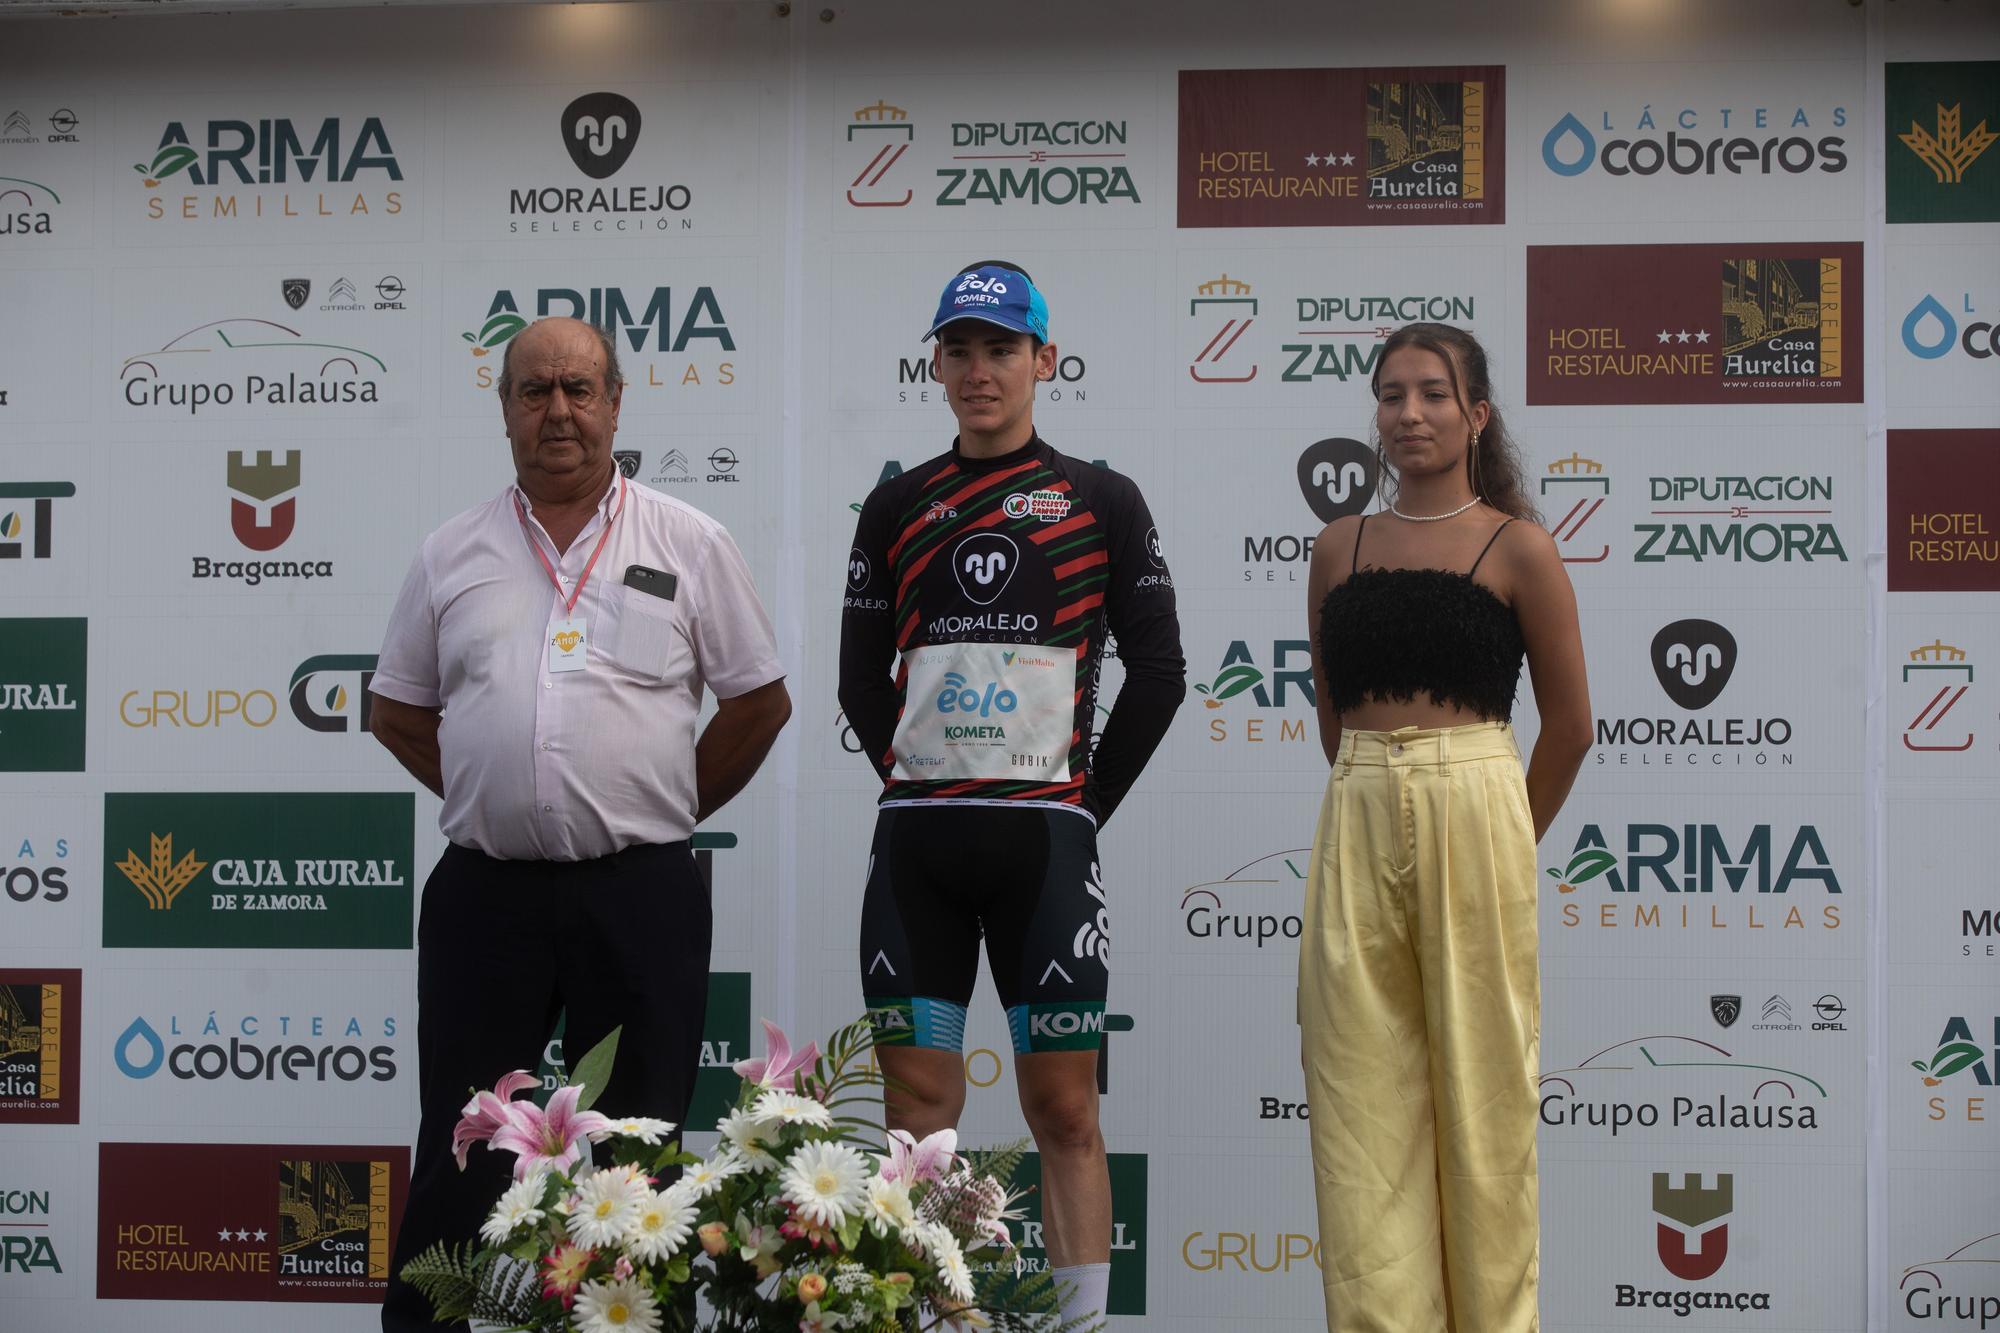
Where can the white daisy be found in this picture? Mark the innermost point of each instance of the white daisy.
(643, 1128)
(928, 1238)
(606, 1204)
(778, 1109)
(618, 1306)
(826, 1181)
(520, 1206)
(750, 1138)
(951, 1269)
(705, 1178)
(661, 1225)
(888, 1209)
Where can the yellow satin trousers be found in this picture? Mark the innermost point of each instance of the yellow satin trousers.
(1420, 1009)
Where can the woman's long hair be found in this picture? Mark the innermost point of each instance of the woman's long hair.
(1494, 466)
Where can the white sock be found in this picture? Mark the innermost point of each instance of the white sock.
(1084, 1288)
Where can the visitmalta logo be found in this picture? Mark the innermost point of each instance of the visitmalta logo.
(1614, 324)
(271, 170)
(1342, 147)
(1944, 524)
(1942, 119)
(248, 1222)
(40, 1025)
(257, 870)
(42, 694)
(1935, 680)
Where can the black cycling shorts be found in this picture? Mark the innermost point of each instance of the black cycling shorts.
(941, 876)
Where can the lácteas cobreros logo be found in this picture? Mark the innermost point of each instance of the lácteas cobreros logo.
(271, 170)
(258, 870)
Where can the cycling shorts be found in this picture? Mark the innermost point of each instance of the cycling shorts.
(1025, 878)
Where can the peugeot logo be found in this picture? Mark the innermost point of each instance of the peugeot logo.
(1337, 477)
(600, 130)
(984, 564)
(1693, 660)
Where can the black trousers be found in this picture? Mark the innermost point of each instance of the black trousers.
(503, 947)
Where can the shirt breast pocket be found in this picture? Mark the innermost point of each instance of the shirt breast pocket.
(642, 639)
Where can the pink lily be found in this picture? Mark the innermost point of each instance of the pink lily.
(549, 1140)
(488, 1112)
(911, 1161)
(775, 1068)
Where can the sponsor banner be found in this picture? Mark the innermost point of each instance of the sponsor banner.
(1244, 909)
(43, 1252)
(725, 1039)
(45, 342)
(1943, 1265)
(1944, 1057)
(686, 330)
(248, 1221)
(1655, 507)
(269, 519)
(46, 181)
(43, 694)
(1304, 328)
(881, 365)
(266, 168)
(1945, 348)
(640, 163)
(1250, 699)
(1658, 143)
(1702, 702)
(1742, 323)
(40, 1030)
(1941, 725)
(1264, 511)
(300, 344)
(1372, 147)
(1244, 1238)
(1051, 151)
(1130, 1231)
(44, 539)
(258, 870)
(48, 852)
(1944, 510)
(282, 703)
(307, 1048)
(1651, 1062)
(1940, 856)
(1716, 1240)
(1704, 874)
(1938, 119)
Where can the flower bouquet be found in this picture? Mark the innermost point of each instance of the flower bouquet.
(791, 1225)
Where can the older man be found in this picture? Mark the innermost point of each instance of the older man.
(542, 672)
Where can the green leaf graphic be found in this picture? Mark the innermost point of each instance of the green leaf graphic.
(170, 159)
(1954, 1056)
(1588, 864)
(500, 328)
(1232, 681)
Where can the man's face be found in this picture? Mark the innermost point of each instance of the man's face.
(560, 413)
(989, 374)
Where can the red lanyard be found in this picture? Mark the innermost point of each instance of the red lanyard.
(555, 582)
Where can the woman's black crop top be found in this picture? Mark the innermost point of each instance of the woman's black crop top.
(1396, 633)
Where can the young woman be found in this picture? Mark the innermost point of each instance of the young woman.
(1419, 996)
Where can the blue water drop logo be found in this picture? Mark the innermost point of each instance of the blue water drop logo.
(1569, 126)
(1933, 309)
(155, 1051)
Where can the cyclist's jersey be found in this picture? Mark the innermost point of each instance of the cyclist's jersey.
(992, 586)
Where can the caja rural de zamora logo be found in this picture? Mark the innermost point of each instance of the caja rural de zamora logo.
(1940, 121)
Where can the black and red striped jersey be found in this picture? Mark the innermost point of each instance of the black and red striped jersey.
(981, 594)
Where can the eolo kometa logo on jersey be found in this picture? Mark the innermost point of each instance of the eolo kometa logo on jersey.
(1775, 518)
(1935, 679)
(1942, 119)
(993, 163)
(1691, 1236)
(274, 169)
(659, 322)
(40, 1023)
(1753, 877)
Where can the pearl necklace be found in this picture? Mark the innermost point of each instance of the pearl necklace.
(1433, 518)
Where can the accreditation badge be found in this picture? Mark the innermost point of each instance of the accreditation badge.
(978, 711)
(567, 644)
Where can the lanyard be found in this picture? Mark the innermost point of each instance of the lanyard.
(554, 582)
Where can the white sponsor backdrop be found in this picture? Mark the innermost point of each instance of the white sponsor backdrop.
(235, 394)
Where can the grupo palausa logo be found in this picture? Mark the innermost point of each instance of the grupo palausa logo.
(1677, 1082)
(1940, 675)
(278, 365)
(1227, 300)
(600, 130)
(883, 132)
(26, 207)
(1923, 1286)
(1693, 660)
(1940, 166)
(1977, 338)
(1252, 905)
